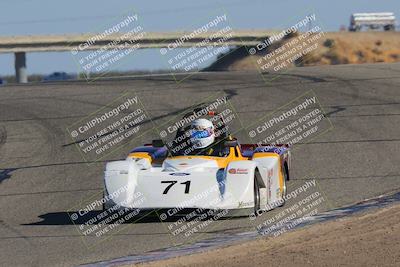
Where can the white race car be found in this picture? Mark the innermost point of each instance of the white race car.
(225, 175)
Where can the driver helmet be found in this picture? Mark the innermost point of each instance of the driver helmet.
(202, 133)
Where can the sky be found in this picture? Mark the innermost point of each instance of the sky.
(43, 17)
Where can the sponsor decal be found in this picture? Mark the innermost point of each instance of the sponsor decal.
(183, 164)
(179, 174)
(232, 171)
(244, 204)
(238, 171)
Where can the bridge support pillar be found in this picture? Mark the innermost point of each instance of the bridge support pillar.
(20, 67)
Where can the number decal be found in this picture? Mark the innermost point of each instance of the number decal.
(171, 183)
(187, 186)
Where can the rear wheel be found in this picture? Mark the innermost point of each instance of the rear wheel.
(103, 202)
(256, 196)
(285, 178)
(284, 189)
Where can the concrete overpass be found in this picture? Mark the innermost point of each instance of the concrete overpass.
(20, 45)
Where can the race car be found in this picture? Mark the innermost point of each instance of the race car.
(211, 170)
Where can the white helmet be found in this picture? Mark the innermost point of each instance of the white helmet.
(202, 133)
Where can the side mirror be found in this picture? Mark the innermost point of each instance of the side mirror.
(157, 143)
(232, 143)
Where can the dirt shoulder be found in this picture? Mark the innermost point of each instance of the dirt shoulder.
(371, 239)
(332, 48)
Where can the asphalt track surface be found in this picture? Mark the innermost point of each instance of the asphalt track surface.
(42, 176)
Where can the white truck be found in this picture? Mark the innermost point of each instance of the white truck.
(386, 20)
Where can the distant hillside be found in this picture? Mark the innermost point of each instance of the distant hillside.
(332, 48)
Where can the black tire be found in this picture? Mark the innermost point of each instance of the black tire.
(256, 196)
(104, 205)
(389, 27)
(285, 178)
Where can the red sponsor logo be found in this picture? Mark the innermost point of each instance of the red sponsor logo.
(232, 171)
(238, 171)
